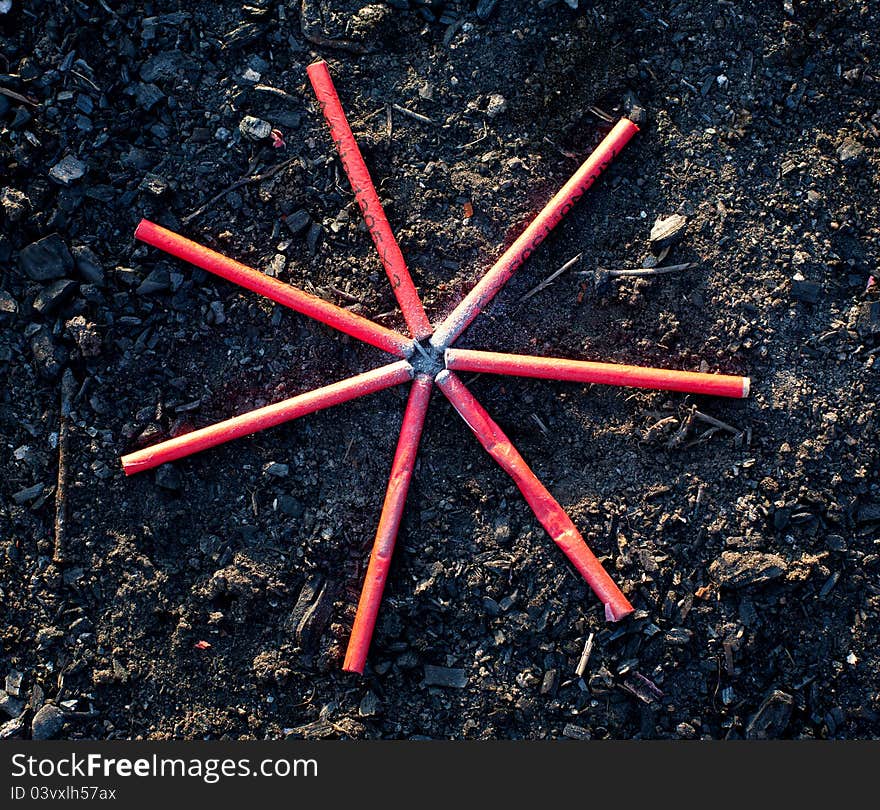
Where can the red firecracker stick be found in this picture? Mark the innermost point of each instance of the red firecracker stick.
(564, 200)
(389, 523)
(557, 368)
(269, 416)
(303, 302)
(548, 511)
(368, 200)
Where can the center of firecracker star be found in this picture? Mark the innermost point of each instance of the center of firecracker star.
(426, 359)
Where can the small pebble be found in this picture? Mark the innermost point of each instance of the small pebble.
(497, 105)
(254, 129)
(291, 506)
(47, 722)
(13, 683)
(850, 152)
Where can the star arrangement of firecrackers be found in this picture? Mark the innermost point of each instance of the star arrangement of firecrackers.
(426, 357)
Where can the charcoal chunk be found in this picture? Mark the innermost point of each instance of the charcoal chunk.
(46, 259)
(310, 615)
(147, 95)
(167, 65)
(88, 265)
(298, 221)
(52, 297)
(158, 280)
(485, 9)
(772, 718)
(446, 677)
(14, 203)
(808, 291)
(850, 152)
(67, 170)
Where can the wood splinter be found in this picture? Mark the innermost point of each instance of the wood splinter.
(68, 383)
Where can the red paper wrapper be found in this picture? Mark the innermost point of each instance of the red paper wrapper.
(557, 368)
(389, 524)
(368, 200)
(271, 415)
(564, 200)
(303, 302)
(548, 511)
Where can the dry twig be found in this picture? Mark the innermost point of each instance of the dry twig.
(412, 114)
(551, 278)
(68, 382)
(242, 181)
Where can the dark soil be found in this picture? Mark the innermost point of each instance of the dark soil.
(751, 556)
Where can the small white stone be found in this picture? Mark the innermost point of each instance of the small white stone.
(256, 129)
(497, 105)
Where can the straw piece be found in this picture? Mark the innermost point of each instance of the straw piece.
(564, 200)
(269, 416)
(557, 368)
(299, 300)
(548, 511)
(389, 524)
(368, 200)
